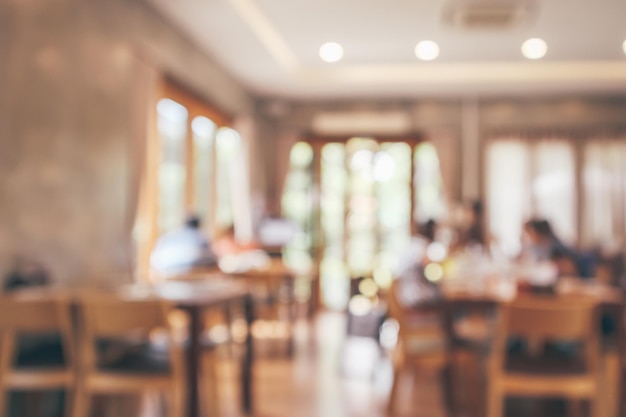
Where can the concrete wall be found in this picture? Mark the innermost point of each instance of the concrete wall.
(69, 72)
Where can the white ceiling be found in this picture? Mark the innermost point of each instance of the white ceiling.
(271, 46)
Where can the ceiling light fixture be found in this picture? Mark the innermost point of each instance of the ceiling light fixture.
(534, 48)
(331, 52)
(427, 50)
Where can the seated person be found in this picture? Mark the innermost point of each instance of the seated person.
(541, 244)
(472, 233)
(413, 288)
(415, 253)
(235, 256)
(565, 264)
(182, 250)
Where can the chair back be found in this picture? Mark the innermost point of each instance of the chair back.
(427, 321)
(550, 318)
(110, 317)
(33, 315)
(538, 319)
(38, 315)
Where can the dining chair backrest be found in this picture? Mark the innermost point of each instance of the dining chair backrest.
(556, 319)
(550, 318)
(41, 315)
(116, 317)
(436, 317)
(111, 317)
(33, 315)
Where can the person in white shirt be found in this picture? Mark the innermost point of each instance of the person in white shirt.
(182, 250)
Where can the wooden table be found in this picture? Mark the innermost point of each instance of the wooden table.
(194, 297)
(272, 276)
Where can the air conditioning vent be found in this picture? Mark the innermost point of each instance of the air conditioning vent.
(488, 14)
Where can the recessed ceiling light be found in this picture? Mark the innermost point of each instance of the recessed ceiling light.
(427, 50)
(331, 52)
(534, 48)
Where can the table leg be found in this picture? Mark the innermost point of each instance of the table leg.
(248, 358)
(194, 353)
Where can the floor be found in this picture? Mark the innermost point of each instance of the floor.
(330, 375)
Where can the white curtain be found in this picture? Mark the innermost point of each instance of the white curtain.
(508, 191)
(447, 146)
(604, 191)
(554, 186)
(530, 178)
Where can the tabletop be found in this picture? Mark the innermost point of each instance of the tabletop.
(182, 293)
(496, 291)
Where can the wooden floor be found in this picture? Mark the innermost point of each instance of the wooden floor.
(330, 375)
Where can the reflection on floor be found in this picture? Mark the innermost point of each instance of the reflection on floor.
(329, 376)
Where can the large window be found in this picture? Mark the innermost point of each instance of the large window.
(191, 167)
(531, 178)
(365, 194)
(604, 192)
(576, 182)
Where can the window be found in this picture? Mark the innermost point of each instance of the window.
(228, 161)
(190, 151)
(172, 126)
(530, 179)
(368, 190)
(297, 206)
(429, 192)
(604, 188)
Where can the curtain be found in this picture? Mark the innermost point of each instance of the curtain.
(145, 78)
(553, 186)
(282, 150)
(530, 178)
(240, 174)
(604, 192)
(508, 190)
(447, 150)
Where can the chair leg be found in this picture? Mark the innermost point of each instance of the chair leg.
(68, 407)
(3, 402)
(81, 403)
(176, 401)
(447, 385)
(595, 408)
(574, 408)
(391, 406)
(495, 403)
(211, 404)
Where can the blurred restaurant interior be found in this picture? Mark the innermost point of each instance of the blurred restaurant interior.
(324, 208)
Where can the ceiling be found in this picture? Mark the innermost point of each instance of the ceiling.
(271, 46)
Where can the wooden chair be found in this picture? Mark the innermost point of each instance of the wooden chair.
(539, 320)
(425, 343)
(111, 318)
(30, 316)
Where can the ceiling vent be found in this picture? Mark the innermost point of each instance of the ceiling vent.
(488, 14)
